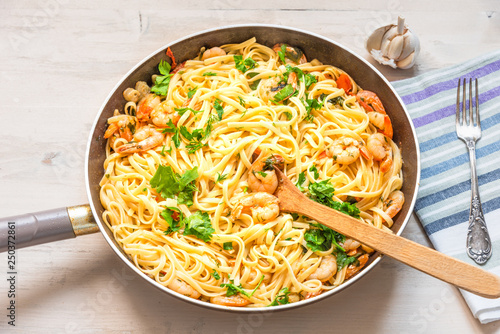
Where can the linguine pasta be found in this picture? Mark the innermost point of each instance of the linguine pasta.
(183, 159)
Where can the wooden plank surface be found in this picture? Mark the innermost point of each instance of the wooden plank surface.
(58, 62)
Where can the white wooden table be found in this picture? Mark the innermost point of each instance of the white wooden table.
(58, 61)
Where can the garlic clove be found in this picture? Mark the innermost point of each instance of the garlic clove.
(407, 62)
(411, 44)
(396, 47)
(393, 44)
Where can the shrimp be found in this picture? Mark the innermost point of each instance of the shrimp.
(183, 288)
(292, 55)
(269, 88)
(351, 246)
(163, 113)
(353, 268)
(264, 207)
(146, 106)
(394, 203)
(213, 52)
(344, 150)
(262, 177)
(375, 111)
(233, 300)
(122, 126)
(308, 295)
(145, 139)
(381, 151)
(326, 269)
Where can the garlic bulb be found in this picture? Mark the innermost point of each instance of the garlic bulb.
(394, 45)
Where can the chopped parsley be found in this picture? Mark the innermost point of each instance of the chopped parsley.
(322, 193)
(244, 65)
(173, 216)
(171, 128)
(321, 238)
(170, 184)
(218, 108)
(281, 298)
(228, 245)
(161, 83)
(300, 181)
(191, 92)
(182, 111)
(314, 170)
(209, 74)
(221, 177)
(163, 150)
(233, 289)
(288, 115)
(261, 173)
(199, 225)
(215, 274)
(344, 260)
(242, 102)
(311, 104)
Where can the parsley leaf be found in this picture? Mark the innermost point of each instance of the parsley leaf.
(209, 74)
(191, 92)
(322, 237)
(161, 83)
(244, 65)
(314, 170)
(218, 108)
(221, 177)
(311, 104)
(344, 260)
(199, 225)
(233, 289)
(242, 102)
(300, 181)
(309, 79)
(228, 245)
(173, 216)
(216, 275)
(182, 111)
(170, 184)
(281, 298)
(322, 192)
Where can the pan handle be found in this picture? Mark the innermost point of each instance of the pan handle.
(46, 226)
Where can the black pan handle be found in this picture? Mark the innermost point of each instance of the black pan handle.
(46, 226)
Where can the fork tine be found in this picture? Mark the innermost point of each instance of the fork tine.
(457, 119)
(471, 119)
(478, 121)
(464, 110)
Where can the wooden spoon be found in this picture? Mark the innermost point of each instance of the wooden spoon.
(427, 260)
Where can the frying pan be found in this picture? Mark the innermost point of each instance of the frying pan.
(47, 226)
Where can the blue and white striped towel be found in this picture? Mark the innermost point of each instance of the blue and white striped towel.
(444, 196)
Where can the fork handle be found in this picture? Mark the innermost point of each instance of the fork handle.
(478, 238)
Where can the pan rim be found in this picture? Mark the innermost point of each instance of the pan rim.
(129, 263)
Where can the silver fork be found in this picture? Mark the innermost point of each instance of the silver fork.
(469, 130)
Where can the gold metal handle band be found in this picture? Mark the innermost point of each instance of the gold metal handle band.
(82, 220)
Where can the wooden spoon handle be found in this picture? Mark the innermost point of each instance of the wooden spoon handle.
(427, 260)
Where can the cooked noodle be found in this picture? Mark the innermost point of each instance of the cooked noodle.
(272, 255)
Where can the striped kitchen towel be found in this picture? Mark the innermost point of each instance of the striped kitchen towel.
(444, 196)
